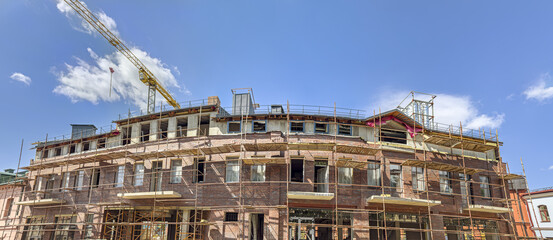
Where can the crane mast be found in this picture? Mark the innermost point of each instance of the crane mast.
(145, 75)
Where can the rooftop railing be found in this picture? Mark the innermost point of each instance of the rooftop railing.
(69, 136)
(467, 132)
(541, 189)
(164, 107)
(282, 109)
(305, 110)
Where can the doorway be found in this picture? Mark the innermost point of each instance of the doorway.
(155, 182)
(321, 176)
(256, 226)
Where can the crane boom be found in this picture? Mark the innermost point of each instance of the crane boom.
(145, 75)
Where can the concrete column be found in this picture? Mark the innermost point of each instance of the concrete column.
(113, 141)
(65, 150)
(135, 133)
(214, 127)
(192, 126)
(172, 128)
(93, 145)
(154, 129)
(309, 127)
(78, 147)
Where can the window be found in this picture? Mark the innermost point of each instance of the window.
(231, 217)
(65, 181)
(345, 175)
(417, 178)
(72, 148)
(145, 132)
(86, 146)
(199, 166)
(8, 207)
(259, 126)
(126, 135)
(120, 176)
(34, 229)
(544, 213)
(176, 171)
(233, 171)
(463, 179)
(80, 180)
(44, 153)
(95, 180)
(373, 174)
(139, 174)
(321, 128)
(101, 143)
(234, 127)
(296, 172)
(296, 126)
(163, 129)
(50, 182)
(64, 227)
(344, 129)
(182, 126)
(395, 176)
(393, 136)
(485, 186)
(204, 125)
(258, 173)
(89, 227)
(445, 182)
(57, 152)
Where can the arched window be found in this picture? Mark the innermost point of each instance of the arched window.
(544, 213)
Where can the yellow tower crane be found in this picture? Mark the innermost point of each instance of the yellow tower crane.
(145, 75)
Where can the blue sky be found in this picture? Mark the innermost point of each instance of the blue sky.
(489, 62)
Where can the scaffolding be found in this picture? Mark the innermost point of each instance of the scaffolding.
(191, 183)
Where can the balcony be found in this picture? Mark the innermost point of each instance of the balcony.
(149, 195)
(384, 199)
(41, 202)
(486, 209)
(310, 195)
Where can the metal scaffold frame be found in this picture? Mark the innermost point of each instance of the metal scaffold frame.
(131, 218)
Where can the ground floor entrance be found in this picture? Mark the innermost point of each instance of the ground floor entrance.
(136, 224)
(317, 224)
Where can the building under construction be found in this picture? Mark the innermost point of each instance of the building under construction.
(269, 172)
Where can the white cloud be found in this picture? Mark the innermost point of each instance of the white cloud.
(90, 81)
(21, 78)
(484, 120)
(82, 25)
(448, 109)
(540, 91)
(550, 167)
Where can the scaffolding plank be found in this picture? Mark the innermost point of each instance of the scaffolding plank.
(511, 176)
(349, 163)
(264, 160)
(356, 150)
(440, 166)
(456, 142)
